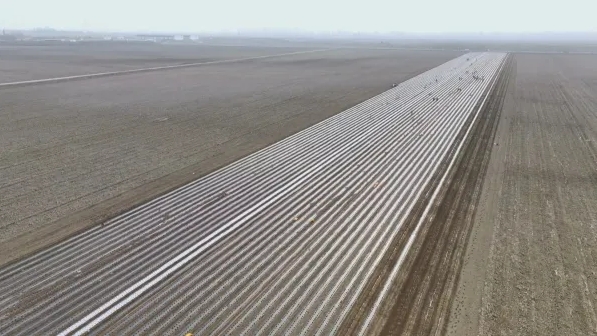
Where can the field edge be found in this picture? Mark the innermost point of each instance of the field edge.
(424, 264)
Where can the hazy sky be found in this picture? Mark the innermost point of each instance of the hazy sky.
(364, 15)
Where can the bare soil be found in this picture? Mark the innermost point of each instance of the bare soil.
(21, 63)
(531, 263)
(73, 154)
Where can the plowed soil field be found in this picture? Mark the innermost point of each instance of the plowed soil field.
(531, 265)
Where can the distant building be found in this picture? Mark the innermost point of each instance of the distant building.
(156, 37)
(11, 35)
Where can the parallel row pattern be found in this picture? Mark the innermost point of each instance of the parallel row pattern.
(279, 242)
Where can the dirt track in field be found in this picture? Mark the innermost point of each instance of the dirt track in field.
(75, 153)
(22, 63)
(531, 265)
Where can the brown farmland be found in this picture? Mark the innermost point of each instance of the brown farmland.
(21, 63)
(75, 153)
(508, 247)
(531, 267)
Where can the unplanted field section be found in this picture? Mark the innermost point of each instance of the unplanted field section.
(539, 276)
(282, 241)
(29, 62)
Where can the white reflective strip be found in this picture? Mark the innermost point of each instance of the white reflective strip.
(123, 72)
